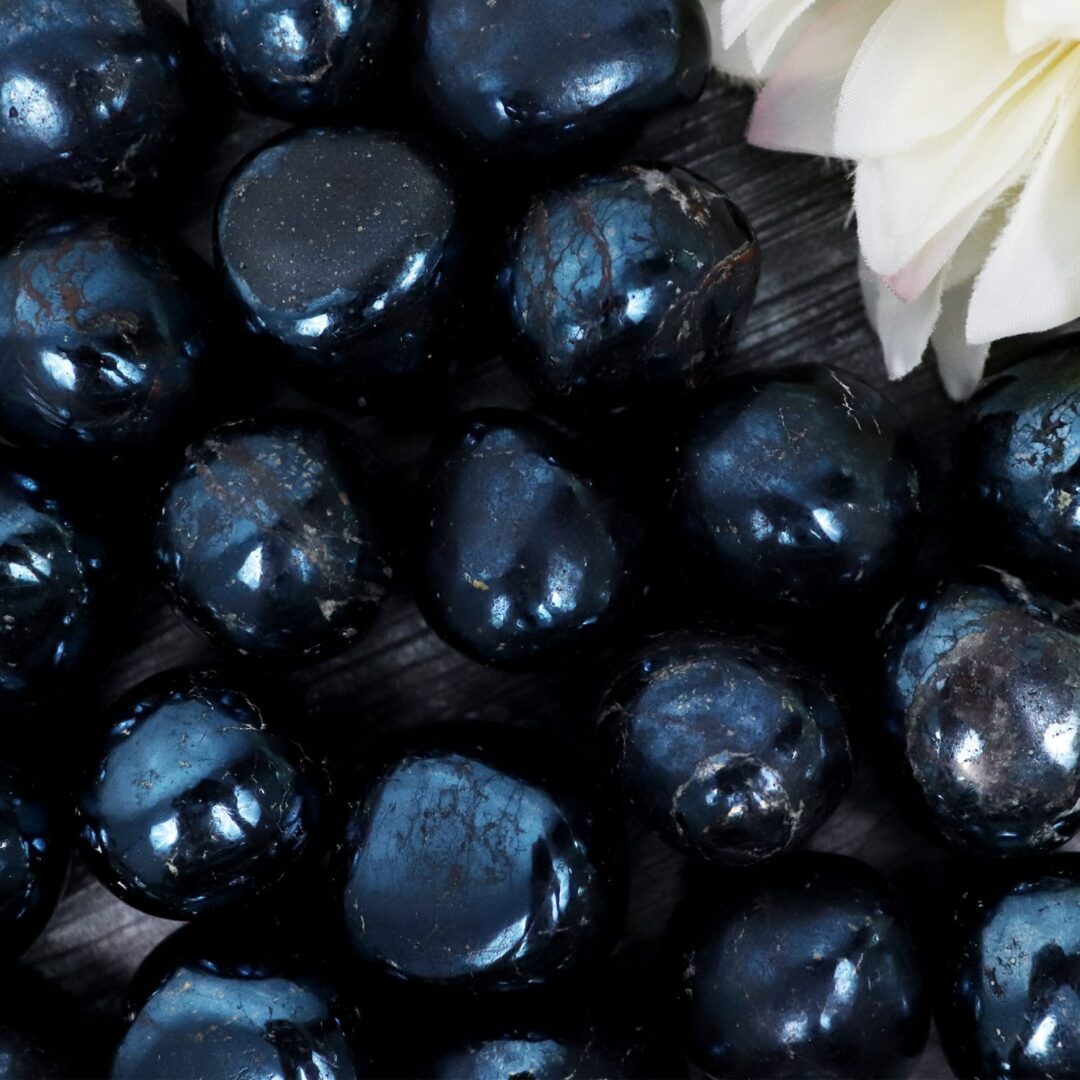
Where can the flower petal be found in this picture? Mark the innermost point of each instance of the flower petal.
(903, 329)
(1030, 24)
(781, 22)
(736, 17)
(960, 364)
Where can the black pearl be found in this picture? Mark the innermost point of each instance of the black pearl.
(33, 859)
(1009, 1003)
(341, 245)
(52, 587)
(195, 806)
(473, 863)
(305, 62)
(270, 537)
(725, 746)
(102, 337)
(983, 703)
(1017, 470)
(796, 491)
(522, 557)
(95, 95)
(802, 969)
(516, 79)
(628, 286)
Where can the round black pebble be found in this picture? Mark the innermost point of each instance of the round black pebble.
(342, 245)
(195, 805)
(95, 95)
(270, 537)
(1009, 1002)
(628, 286)
(725, 746)
(796, 490)
(305, 62)
(522, 557)
(517, 79)
(472, 863)
(983, 701)
(103, 333)
(802, 969)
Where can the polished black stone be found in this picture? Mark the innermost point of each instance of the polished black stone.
(472, 863)
(517, 79)
(270, 536)
(1019, 470)
(628, 286)
(102, 336)
(95, 95)
(52, 587)
(195, 806)
(802, 969)
(33, 859)
(522, 558)
(342, 246)
(1010, 999)
(725, 746)
(983, 702)
(797, 490)
(305, 62)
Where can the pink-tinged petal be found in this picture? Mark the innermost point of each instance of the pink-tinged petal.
(1031, 281)
(1032, 24)
(960, 364)
(903, 329)
(776, 30)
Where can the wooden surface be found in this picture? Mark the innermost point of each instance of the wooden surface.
(808, 308)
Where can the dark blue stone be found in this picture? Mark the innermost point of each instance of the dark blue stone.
(102, 337)
(195, 805)
(474, 865)
(796, 490)
(341, 245)
(522, 557)
(983, 703)
(1010, 999)
(305, 62)
(628, 286)
(270, 537)
(95, 95)
(725, 746)
(802, 969)
(517, 79)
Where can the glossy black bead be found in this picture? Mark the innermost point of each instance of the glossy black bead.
(52, 587)
(725, 746)
(304, 62)
(628, 286)
(472, 862)
(1019, 470)
(532, 81)
(195, 805)
(802, 969)
(1009, 1000)
(797, 490)
(982, 700)
(95, 95)
(522, 557)
(270, 536)
(102, 337)
(342, 246)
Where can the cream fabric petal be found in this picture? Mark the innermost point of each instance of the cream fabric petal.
(779, 23)
(736, 16)
(1030, 24)
(734, 61)
(960, 364)
(903, 329)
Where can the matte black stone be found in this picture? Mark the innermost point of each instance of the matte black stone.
(797, 491)
(95, 95)
(517, 79)
(628, 287)
(522, 557)
(195, 806)
(1010, 1003)
(103, 333)
(305, 62)
(725, 746)
(270, 537)
(472, 861)
(802, 969)
(342, 246)
(982, 696)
